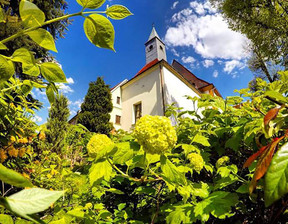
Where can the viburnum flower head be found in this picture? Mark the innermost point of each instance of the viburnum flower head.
(97, 143)
(196, 161)
(155, 133)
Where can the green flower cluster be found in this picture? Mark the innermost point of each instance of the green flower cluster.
(222, 161)
(155, 134)
(97, 143)
(196, 161)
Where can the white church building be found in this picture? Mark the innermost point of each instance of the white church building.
(155, 86)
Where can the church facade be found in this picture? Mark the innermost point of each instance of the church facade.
(155, 86)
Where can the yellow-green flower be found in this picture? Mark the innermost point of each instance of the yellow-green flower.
(97, 143)
(155, 134)
(222, 161)
(196, 161)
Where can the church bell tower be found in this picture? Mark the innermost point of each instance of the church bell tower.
(155, 48)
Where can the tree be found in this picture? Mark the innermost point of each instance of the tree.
(12, 23)
(96, 109)
(265, 23)
(57, 123)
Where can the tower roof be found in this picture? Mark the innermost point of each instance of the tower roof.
(153, 34)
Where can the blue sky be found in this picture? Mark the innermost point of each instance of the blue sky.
(194, 32)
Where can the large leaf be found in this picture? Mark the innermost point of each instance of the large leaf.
(91, 4)
(263, 163)
(6, 69)
(99, 31)
(99, 171)
(123, 154)
(30, 14)
(26, 57)
(50, 94)
(13, 178)
(52, 72)
(6, 219)
(118, 12)
(170, 172)
(276, 95)
(276, 179)
(181, 214)
(271, 115)
(43, 38)
(31, 201)
(218, 204)
(200, 139)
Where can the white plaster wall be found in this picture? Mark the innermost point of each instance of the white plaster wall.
(117, 108)
(175, 91)
(145, 89)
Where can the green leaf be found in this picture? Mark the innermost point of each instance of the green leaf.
(99, 171)
(114, 191)
(28, 62)
(13, 178)
(225, 171)
(200, 190)
(170, 172)
(123, 154)
(77, 212)
(224, 182)
(2, 17)
(43, 38)
(276, 95)
(30, 14)
(6, 69)
(118, 12)
(99, 31)
(6, 219)
(50, 94)
(218, 204)
(276, 184)
(189, 148)
(26, 87)
(3, 46)
(31, 201)
(181, 214)
(52, 72)
(91, 4)
(200, 139)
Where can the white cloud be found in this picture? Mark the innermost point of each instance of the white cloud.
(175, 4)
(75, 106)
(231, 65)
(70, 80)
(215, 74)
(207, 63)
(36, 118)
(64, 88)
(188, 60)
(174, 52)
(202, 28)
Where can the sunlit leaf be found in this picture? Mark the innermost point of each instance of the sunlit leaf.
(30, 14)
(6, 219)
(99, 31)
(276, 179)
(3, 46)
(43, 38)
(52, 72)
(50, 94)
(6, 69)
(91, 4)
(99, 171)
(118, 12)
(263, 163)
(255, 156)
(200, 139)
(271, 115)
(31, 201)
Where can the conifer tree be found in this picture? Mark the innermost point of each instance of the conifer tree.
(96, 108)
(57, 123)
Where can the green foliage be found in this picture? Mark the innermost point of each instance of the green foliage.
(57, 123)
(96, 108)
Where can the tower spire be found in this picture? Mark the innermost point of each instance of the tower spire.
(154, 47)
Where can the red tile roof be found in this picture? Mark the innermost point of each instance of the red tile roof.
(146, 67)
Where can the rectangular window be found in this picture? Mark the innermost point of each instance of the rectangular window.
(118, 119)
(118, 100)
(138, 111)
